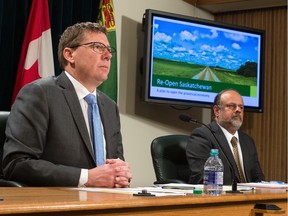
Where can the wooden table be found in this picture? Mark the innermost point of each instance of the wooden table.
(63, 201)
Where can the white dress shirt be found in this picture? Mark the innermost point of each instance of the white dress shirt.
(229, 137)
(82, 92)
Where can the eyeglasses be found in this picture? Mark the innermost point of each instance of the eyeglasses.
(98, 47)
(233, 106)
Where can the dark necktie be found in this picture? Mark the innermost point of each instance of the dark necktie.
(236, 156)
(95, 128)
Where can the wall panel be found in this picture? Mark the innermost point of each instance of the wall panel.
(269, 128)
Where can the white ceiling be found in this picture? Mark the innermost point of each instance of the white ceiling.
(217, 6)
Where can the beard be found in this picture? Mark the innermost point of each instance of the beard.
(234, 123)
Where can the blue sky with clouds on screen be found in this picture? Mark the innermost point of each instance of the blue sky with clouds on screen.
(211, 46)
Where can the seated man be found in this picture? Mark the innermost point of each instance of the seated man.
(49, 135)
(228, 111)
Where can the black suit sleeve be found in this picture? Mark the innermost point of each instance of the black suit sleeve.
(252, 166)
(197, 152)
(25, 157)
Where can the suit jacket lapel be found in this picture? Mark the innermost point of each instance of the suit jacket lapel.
(245, 151)
(225, 145)
(76, 111)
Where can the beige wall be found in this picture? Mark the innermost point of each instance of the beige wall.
(141, 122)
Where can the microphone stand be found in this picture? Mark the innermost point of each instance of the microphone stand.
(234, 181)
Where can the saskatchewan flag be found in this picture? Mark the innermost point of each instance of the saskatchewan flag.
(106, 18)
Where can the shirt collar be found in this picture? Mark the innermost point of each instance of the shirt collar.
(229, 135)
(81, 91)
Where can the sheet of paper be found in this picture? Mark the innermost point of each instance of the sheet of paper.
(239, 188)
(171, 189)
(179, 186)
(157, 191)
(200, 186)
(265, 185)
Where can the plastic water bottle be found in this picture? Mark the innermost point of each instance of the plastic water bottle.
(213, 174)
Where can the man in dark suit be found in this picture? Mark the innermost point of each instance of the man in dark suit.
(228, 111)
(48, 134)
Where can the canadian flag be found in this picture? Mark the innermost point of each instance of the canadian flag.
(36, 60)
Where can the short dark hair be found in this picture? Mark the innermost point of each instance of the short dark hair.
(74, 35)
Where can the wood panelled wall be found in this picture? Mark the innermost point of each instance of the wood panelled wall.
(269, 129)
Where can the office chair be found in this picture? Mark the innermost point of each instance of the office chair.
(5, 183)
(169, 159)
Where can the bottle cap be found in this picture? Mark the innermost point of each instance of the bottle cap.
(214, 152)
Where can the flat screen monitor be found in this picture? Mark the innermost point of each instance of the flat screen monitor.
(188, 61)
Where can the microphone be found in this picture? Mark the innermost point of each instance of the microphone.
(188, 119)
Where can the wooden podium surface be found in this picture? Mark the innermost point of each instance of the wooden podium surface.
(63, 201)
